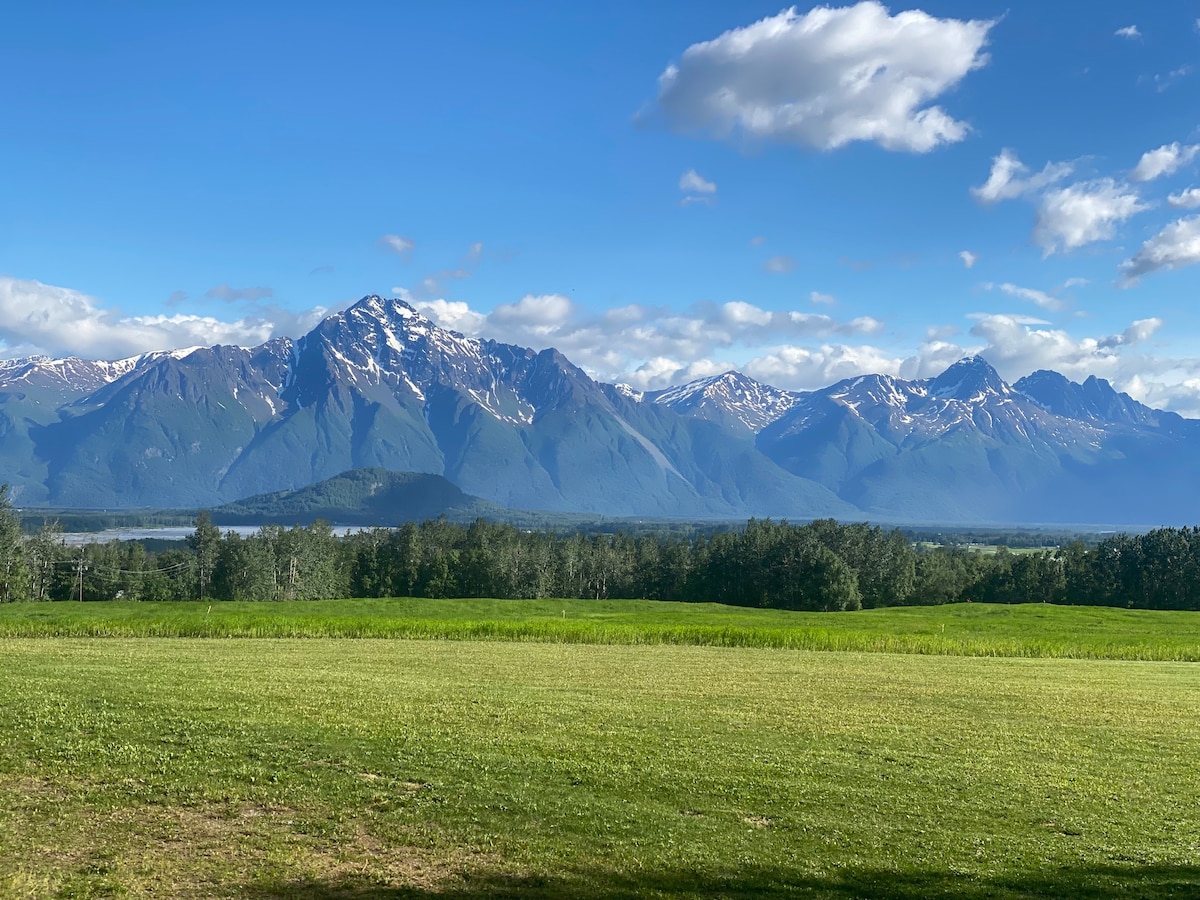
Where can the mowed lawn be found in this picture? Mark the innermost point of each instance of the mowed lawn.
(333, 768)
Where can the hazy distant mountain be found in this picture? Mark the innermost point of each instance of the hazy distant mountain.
(381, 386)
(967, 446)
(1095, 401)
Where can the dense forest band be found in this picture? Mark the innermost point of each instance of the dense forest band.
(821, 565)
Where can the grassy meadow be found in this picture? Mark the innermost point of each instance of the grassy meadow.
(552, 766)
(969, 629)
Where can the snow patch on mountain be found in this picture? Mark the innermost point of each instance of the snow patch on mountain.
(73, 374)
(732, 394)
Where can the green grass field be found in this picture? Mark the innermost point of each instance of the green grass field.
(976, 629)
(596, 749)
(378, 769)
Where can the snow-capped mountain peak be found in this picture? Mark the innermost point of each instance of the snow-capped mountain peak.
(72, 374)
(380, 384)
(731, 396)
(1095, 400)
(970, 380)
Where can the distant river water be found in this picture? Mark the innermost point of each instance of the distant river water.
(168, 533)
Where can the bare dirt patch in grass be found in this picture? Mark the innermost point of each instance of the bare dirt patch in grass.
(207, 850)
(758, 821)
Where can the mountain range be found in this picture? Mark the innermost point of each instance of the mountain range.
(379, 385)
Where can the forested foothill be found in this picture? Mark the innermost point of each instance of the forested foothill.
(822, 565)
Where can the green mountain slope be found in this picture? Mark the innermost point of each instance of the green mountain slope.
(370, 496)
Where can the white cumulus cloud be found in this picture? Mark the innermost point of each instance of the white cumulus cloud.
(1129, 31)
(827, 77)
(1082, 213)
(1181, 396)
(58, 321)
(1010, 178)
(740, 312)
(1186, 199)
(1017, 346)
(453, 314)
(654, 347)
(664, 372)
(1165, 160)
(646, 346)
(968, 258)
(808, 368)
(538, 315)
(1138, 331)
(1174, 247)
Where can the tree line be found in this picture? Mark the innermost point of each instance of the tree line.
(821, 565)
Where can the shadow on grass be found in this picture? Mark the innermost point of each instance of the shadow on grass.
(1087, 883)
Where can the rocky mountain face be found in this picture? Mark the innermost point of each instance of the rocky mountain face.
(379, 385)
(966, 446)
(731, 399)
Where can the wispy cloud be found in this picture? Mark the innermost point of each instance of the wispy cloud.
(1032, 295)
(233, 295)
(1010, 178)
(434, 283)
(1170, 79)
(398, 244)
(691, 182)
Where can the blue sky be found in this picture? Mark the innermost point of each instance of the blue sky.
(660, 190)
